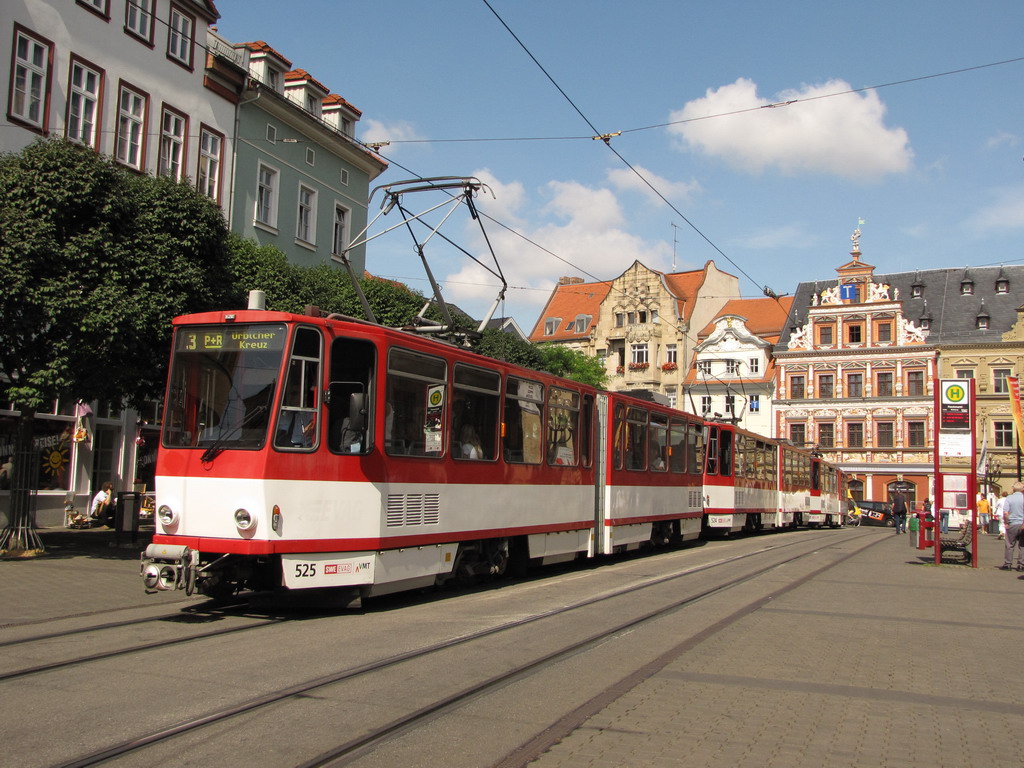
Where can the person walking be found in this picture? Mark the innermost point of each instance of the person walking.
(899, 512)
(983, 513)
(998, 512)
(1013, 516)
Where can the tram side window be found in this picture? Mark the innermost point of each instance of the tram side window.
(563, 427)
(619, 436)
(725, 453)
(587, 431)
(694, 448)
(414, 404)
(677, 446)
(522, 441)
(476, 400)
(351, 369)
(711, 464)
(297, 424)
(636, 439)
(658, 442)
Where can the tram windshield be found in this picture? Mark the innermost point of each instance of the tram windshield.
(222, 385)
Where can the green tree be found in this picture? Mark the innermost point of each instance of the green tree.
(95, 262)
(572, 364)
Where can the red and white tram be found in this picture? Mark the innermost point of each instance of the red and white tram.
(307, 451)
(755, 483)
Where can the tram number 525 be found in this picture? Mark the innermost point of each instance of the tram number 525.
(305, 570)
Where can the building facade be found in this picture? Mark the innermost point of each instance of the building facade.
(733, 372)
(857, 364)
(641, 323)
(301, 181)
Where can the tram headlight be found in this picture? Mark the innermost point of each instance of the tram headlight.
(243, 520)
(168, 517)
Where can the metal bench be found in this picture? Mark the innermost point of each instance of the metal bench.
(959, 548)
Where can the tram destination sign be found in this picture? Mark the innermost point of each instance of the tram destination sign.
(257, 338)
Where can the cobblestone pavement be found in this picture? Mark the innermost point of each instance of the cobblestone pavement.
(888, 660)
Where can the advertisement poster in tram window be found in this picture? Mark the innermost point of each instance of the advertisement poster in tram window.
(432, 419)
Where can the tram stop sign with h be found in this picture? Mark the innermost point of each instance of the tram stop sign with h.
(955, 407)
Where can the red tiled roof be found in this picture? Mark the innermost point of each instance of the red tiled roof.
(764, 317)
(567, 302)
(261, 47)
(301, 75)
(334, 99)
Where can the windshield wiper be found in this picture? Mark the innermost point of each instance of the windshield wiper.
(212, 452)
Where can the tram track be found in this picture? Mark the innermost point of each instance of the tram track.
(353, 748)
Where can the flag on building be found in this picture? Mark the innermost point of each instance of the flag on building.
(1013, 389)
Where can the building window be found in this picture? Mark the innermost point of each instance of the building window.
(754, 364)
(131, 128)
(582, 323)
(999, 383)
(305, 217)
(966, 287)
(916, 291)
(915, 383)
(30, 80)
(982, 322)
(173, 131)
(826, 385)
(101, 7)
(754, 402)
(825, 334)
(551, 325)
(964, 373)
(796, 387)
(271, 133)
(344, 176)
(855, 385)
(915, 434)
(138, 19)
(885, 332)
(886, 435)
(620, 319)
(274, 79)
(1003, 434)
(631, 318)
(704, 367)
(208, 173)
(179, 37)
(854, 334)
(670, 353)
(670, 393)
(798, 434)
(638, 353)
(310, 156)
(339, 235)
(266, 196)
(826, 435)
(855, 435)
(883, 385)
(1002, 285)
(732, 367)
(730, 404)
(84, 85)
(705, 404)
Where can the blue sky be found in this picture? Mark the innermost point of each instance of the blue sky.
(934, 167)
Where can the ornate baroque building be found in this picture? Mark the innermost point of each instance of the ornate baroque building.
(642, 323)
(858, 360)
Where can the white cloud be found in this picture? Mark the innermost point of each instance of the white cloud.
(784, 236)
(567, 228)
(1002, 139)
(377, 130)
(842, 135)
(677, 192)
(1006, 211)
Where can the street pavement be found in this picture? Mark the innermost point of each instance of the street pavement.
(886, 660)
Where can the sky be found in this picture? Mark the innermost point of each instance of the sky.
(756, 134)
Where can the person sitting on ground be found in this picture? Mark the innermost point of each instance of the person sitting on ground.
(101, 502)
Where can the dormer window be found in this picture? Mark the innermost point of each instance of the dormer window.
(551, 325)
(925, 323)
(966, 285)
(273, 79)
(704, 366)
(982, 321)
(582, 322)
(916, 291)
(1002, 285)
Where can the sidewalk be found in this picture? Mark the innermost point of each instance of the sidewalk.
(887, 661)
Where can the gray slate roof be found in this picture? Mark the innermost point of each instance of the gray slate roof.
(953, 316)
